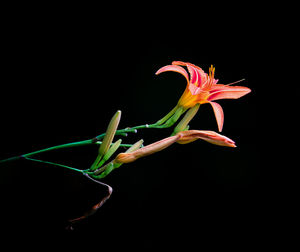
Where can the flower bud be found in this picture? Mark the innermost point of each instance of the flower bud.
(135, 146)
(110, 133)
(147, 150)
(208, 136)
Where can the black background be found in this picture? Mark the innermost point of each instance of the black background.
(64, 76)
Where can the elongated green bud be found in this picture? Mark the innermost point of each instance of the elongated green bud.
(110, 133)
(112, 149)
(109, 153)
(135, 147)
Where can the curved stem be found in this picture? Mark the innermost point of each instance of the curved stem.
(56, 164)
(68, 145)
(94, 209)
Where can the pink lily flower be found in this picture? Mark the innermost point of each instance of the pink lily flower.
(203, 88)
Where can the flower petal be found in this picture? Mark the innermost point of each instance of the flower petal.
(181, 63)
(197, 74)
(177, 69)
(227, 92)
(194, 75)
(219, 114)
(194, 89)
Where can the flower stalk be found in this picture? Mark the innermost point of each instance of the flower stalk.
(201, 88)
(182, 125)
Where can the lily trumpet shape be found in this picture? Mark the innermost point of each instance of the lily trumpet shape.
(183, 137)
(203, 88)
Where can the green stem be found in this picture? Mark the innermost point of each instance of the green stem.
(186, 119)
(164, 119)
(10, 159)
(165, 122)
(160, 124)
(68, 145)
(56, 164)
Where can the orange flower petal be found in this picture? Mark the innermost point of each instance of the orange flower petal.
(227, 92)
(177, 69)
(181, 63)
(197, 75)
(219, 114)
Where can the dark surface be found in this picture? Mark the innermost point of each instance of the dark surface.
(63, 82)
